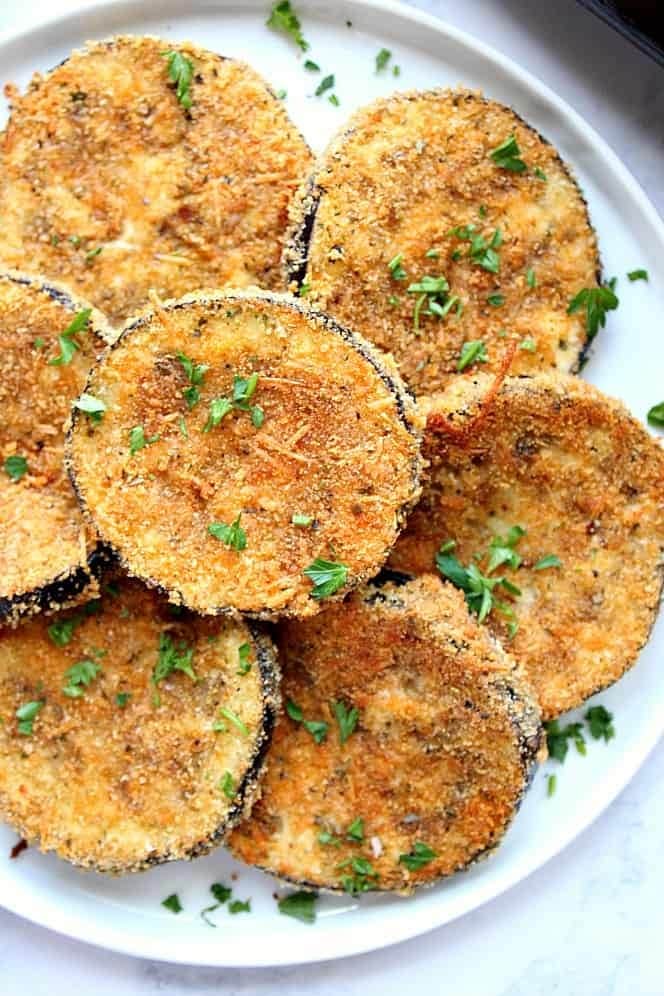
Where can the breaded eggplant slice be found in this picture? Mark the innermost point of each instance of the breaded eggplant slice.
(132, 736)
(112, 182)
(437, 743)
(273, 438)
(47, 558)
(555, 457)
(408, 192)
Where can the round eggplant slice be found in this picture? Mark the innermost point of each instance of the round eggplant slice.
(408, 740)
(131, 735)
(559, 491)
(251, 455)
(48, 340)
(136, 164)
(440, 218)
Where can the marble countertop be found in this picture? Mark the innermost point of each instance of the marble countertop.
(590, 921)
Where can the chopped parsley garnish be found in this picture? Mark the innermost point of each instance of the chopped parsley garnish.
(173, 903)
(346, 719)
(473, 351)
(637, 275)
(326, 838)
(93, 407)
(481, 251)
(355, 831)
(181, 73)
(281, 94)
(304, 289)
(507, 155)
(195, 373)
(382, 59)
(237, 906)
(294, 711)
(138, 439)
(234, 719)
(39, 343)
(419, 856)
(182, 426)
(558, 737)
(496, 300)
(551, 560)
(327, 83)
(317, 728)
(283, 18)
(227, 785)
(551, 785)
(302, 521)
(596, 301)
(395, 267)
(432, 254)
(79, 676)
(334, 100)
(221, 892)
(531, 278)
(313, 67)
(219, 408)
(479, 588)
(360, 880)
(396, 70)
(540, 174)
(244, 653)
(68, 344)
(243, 391)
(600, 722)
(172, 657)
(122, 699)
(26, 715)
(62, 630)
(528, 345)
(435, 292)
(656, 415)
(299, 905)
(327, 576)
(92, 254)
(233, 536)
(15, 467)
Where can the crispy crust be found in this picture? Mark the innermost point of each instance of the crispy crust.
(120, 789)
(339, 442)
(100, 151)
(574, 468)
(401, 175)
(443, 751)
(48, 558)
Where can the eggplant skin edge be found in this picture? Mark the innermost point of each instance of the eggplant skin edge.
(405, 404)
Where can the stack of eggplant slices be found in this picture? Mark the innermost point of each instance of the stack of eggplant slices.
(308, 529)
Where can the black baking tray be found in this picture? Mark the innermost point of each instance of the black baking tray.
(641, 21)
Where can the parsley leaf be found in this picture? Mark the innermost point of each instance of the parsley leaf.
(531, 278)
(303, 521)
(294, 711)
(325, 838)
(395, 267)
(227, 785)
(656, 415)
(62, 630)
(181, 73)
(477, 587)
(551, 785)
(597, 301)
(502, 550)
(195, 373)
(382, 59)
(637, 275)
(435, 292)
(507, 156)
(172, 903)
(327, 576)
(317, 728)
(172, 658)
(419, 856)
(233, 536)
(359, 881)
(221, 892)
(299, 905)
(244, 653)
(481, 251)
(93, 407)
(346, 719)
(312, 67)
(473, 351)
(557, 738)
(283, 18)
(138, 439)
(15, 467)
(79, 676)
(26, 715)
(237, 906)
(600, 721)
(325, 84)
(355, 830)
(67, 342)
(551, 560)
(122, 699)
(234, 719)
(219, 408)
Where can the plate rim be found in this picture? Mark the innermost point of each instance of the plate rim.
(627, 765)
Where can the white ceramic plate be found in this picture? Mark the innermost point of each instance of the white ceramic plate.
(126, 914)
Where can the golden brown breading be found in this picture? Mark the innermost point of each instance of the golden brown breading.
(108, 182)
(124, 772)
(442, 751)
(335, 439)
(586, 481)
(44, 549)
(398, 180)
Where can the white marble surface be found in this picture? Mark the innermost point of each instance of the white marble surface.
(588, 923)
